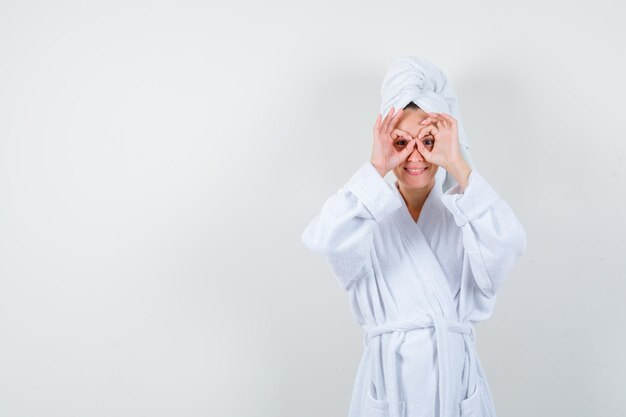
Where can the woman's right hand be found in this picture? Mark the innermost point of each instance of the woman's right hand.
(385, 157)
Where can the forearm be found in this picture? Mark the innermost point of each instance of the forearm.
(493, 236)
(460, 170)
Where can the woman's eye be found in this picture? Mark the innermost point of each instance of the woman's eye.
(429, 142)
(401, 142)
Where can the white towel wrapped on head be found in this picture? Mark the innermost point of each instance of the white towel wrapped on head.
(415, 79)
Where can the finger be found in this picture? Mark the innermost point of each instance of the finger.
(451, 121)
(408, 149)
(378, 120)
(394, 120)
(429, 119)
(436, 123)
(384, 121)
(447, 117)
(440, 121)
(399, 133)
(432, 129)
(422, 149)
(387, 119)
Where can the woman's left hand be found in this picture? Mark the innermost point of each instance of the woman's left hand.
(446, 151)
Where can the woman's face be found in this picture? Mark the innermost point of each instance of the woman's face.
(424, 178)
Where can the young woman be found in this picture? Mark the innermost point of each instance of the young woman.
(421, 262)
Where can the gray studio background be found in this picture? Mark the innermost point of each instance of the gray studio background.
(160, 160)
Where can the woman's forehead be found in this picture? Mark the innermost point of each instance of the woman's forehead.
(410, 121)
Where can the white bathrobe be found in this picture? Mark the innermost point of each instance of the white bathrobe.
(417, 288)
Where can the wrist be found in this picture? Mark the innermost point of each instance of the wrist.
(380, 170)
(460, 170)
(456, 165)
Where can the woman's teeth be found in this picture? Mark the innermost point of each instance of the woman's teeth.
(415, 171)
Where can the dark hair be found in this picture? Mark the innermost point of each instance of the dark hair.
(411, 105)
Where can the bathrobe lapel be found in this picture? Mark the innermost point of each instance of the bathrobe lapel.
(428, 264)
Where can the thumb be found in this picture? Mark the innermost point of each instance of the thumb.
(422, 149)
(407, 149)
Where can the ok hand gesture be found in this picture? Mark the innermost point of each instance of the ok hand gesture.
(385, 156)
(446, 151)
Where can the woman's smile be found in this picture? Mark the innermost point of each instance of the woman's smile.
(415, 172)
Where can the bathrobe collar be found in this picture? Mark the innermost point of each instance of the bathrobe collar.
(432, 208)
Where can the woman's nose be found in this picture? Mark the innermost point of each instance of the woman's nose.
(415, 155)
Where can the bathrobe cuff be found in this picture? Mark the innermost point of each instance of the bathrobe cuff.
(467, 206)
(373, 191)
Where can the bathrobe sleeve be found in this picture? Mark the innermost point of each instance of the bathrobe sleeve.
(493, 237)
(343, 230)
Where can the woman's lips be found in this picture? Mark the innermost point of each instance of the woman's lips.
(415, 172)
